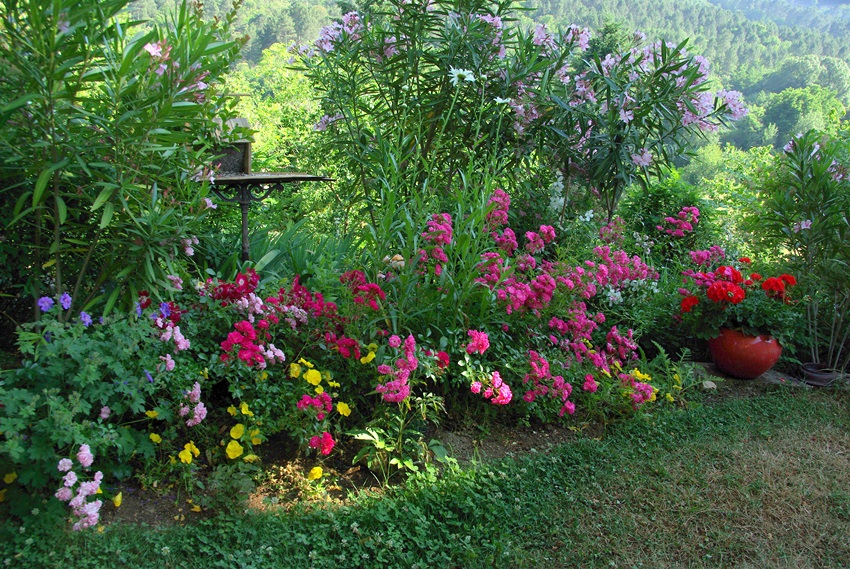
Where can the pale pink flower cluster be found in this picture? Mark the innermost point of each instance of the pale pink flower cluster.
(643, 158)
(199, 412)
(169, 362)
(187, 244)
(272, 354)
(734, 104)
(88, 513)
(250, 305)
(326, 121)
(175, 281)
(543, 38)
(801, 225)
(579, 36)
(173, 332)
(498, 26)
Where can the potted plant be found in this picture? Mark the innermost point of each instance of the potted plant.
(805, 213)
(746, 320)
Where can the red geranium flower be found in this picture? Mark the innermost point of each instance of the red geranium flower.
(745, 260)
(773, 284)
(689, 302)
(788, 279)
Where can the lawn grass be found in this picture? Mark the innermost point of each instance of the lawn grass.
(751, 482)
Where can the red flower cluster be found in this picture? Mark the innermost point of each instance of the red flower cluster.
(321, 403)
(347, 347)
(325, 443)
(721, 291)
(243, 337)
(244, 284)
(364, 292)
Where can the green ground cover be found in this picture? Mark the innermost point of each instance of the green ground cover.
(744, 481)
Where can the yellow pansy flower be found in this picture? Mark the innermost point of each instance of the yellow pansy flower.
(234, 450)
(294, 370)
(237, 431)
(155, 438)
(11, 477)
(205, 373)
(313, 377)
(196, 508)
(319, 390)
(251, 458)
(669, 397)
(333, 384)
(315, 473)
(172, 460)
(373, 347)
(232, 411)
(326, 375)
(245, 410)
(118, 499)
(190, 446)
(367, 358)
(185, 456)
(343, 409)
(255, 437)
(306, 363)
(263, 376)
(153, 414)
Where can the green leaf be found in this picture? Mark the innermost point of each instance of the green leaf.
(267, 258)
(63, 209)
(103, 196)
(110, 303)
(41, 183)
(108, 210)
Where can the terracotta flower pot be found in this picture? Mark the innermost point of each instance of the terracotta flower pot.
(745, 357)
(819, 374)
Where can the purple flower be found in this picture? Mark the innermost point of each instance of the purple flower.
(65, 300)
(165, 310)
(138, 309)
(148, 375)
(45, 303)
(85, 319)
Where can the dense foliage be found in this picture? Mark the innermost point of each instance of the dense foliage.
(507, 236)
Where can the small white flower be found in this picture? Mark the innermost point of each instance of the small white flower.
(461, 75)
(501, 101)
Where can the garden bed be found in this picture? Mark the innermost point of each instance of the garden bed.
(283, 484)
